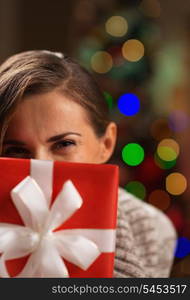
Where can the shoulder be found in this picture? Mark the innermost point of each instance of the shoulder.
(150, 232)
(137, 212)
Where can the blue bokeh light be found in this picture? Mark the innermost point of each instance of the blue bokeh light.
(129, 104)
(182, 247)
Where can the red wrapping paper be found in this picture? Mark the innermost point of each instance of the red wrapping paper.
(98, 186)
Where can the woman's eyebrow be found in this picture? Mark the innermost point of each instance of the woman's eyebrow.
(51, 139)
(13, 142)
(60, 136)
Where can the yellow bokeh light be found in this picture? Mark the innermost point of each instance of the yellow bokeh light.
(101, 62)
(151, 8)
(116, 26)
(133, 50)
(159, 199)
(176, 183)
(168, 149)
(166, 153)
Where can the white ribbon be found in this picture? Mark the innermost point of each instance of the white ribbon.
(46, 248)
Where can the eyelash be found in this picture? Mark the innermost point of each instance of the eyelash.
(63, 144)
(17, 150)
(55, 147)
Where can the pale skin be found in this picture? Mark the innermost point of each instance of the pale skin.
(51, 126)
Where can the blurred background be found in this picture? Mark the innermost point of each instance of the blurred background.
(139, 52)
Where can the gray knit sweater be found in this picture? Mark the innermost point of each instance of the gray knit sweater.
(145, 240)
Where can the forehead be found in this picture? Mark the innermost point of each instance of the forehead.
(48, 112)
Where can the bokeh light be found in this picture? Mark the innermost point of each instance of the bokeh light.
(159, 199)
(109, 99)
(151, 8)
(101, 62)
(137, 189)
(132, 154)
(178, 120)
(149, 172)
(183, 247)
(129, 104)
(163, 164)
(116, 26)
(160, 129)
(133, 50)
(168, 149)
(176, 183)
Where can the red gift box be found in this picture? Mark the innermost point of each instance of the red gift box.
(98, 188)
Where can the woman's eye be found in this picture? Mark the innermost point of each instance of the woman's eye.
(16, 152)
(63, 144)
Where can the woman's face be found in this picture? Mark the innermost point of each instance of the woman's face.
(50, 126)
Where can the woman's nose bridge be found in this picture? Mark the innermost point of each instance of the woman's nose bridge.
(42, 154)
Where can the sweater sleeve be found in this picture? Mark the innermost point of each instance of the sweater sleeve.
(127, 263)
(145, 240)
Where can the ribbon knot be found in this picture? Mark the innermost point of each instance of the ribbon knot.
(37, 237)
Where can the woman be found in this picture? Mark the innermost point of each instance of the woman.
(52, 109)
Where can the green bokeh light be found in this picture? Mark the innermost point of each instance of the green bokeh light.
(137, 189)
(163, 164)
(109, 100)
(132, 154)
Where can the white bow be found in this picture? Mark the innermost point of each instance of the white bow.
(38, 238)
